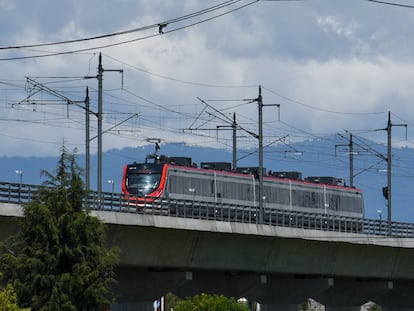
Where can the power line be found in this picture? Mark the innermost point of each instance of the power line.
(392, 3)
(49, 54)
(179, 80)
(156, 25)
(320, 109)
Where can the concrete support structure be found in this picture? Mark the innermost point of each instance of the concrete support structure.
(279, 267)
(140, 284)
(329, 308)
(289, 289)
(401, 297)
(348, 292)
(278, 307)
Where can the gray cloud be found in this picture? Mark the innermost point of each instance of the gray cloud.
(338, 63)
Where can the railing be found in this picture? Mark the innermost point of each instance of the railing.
(23, 193)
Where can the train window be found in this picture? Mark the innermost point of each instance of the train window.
(333, 201)
(142, 183)
(304, 198)
(351, 204)
(181, 184)
(237, 190)
(276, 194)
(317, 200)
(344, 202)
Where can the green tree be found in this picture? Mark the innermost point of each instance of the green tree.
(303, 305)
(374, 307)
(170, 301)
(8, 300)
(59, 259)
(206, 302)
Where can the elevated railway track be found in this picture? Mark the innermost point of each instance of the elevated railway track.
(16, 193)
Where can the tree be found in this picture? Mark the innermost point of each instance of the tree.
(374, 307)
(206, 302)
(8, 300)
(170, 301)
(303, 305)
(58, 260)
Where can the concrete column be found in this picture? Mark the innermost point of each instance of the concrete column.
(400, 297)
(342, 308)
(279, 307)
(137, 285)
(222, 283)
(348, 292)
(288, 289)
(397, 308)
(132, 306)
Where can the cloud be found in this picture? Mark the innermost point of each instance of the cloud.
(337, 64)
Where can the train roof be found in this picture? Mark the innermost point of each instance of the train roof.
(185, 163)
(321, 181)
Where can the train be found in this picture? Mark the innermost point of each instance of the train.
(178, 178)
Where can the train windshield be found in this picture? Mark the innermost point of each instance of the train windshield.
(142, 184)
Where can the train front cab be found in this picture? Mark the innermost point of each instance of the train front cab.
(143, 185)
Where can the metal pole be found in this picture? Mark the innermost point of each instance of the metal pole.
(389, 127)
(112, 182)
(380, 221)
(100, 78)
(260, 104)
(351, 161)
(234, 127)
(389, 173)
(87, 142)
(20, 173)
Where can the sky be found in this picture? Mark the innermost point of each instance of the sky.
(179, 70)
(324, 67)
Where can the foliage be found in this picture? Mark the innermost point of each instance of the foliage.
(374, 307)
(303, 306)
(8, 300)
(170, 301)
(206, 302)
(59, 260)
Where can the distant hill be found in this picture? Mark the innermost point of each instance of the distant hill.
(324, 157)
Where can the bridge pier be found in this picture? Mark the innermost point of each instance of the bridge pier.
(278, 307)
(136, 285)
(230, 284)
(276, 266)
(289, 289)
(350, 292)
(132, 306)
(330, 308)
(400, 298)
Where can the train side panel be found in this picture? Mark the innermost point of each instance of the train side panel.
(219, 187)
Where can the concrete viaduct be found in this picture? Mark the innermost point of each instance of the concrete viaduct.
(279, 267)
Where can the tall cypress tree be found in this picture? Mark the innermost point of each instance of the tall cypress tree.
(58, 260)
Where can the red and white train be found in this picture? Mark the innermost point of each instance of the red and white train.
(162, 177)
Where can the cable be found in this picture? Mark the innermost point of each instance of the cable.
(175, 79)
(133, 40)
(392, 3)
(319, 109)
(157, 25)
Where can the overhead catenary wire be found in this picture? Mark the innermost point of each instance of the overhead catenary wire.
(209, 85)
(104, 46)
(392, 3)
(123, 32)
(159, 107)
(273, 92)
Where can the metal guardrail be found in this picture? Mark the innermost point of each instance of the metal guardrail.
(23, 193)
